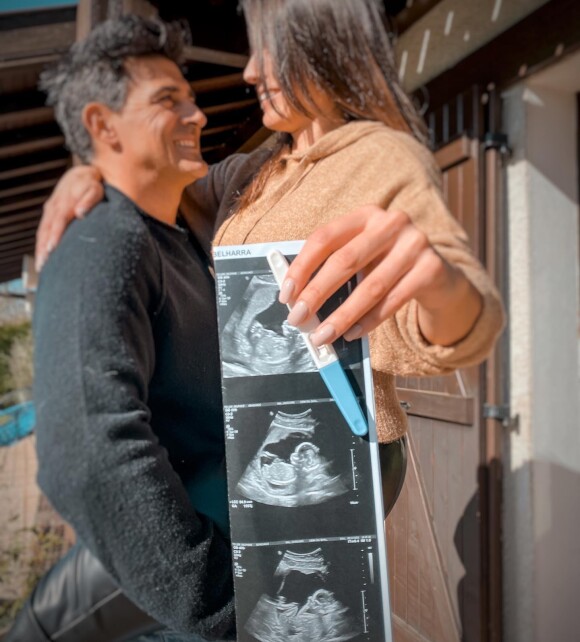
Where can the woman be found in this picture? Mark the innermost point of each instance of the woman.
(347, 136)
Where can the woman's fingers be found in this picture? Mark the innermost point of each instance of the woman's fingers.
(318, 247)
(50, 226)
(343, 248)
(93, 195)
(75, 194)
(399, 277)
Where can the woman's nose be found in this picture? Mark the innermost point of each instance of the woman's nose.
(251, 70)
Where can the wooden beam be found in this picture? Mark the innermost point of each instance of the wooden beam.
(212, 148)
(89, 14)
(255, 140)
(11, 260)
(28, 187)
(7, 273)
(20, 217)
(31, 61)
(436, 405)
(14, 255)
(35, 41)
(250, 134)
(26, 118)
(215, 57)
(19, 236)
(220, 109)
(218, 130)
(22, 245)
(28, 225)
(20, 205)
(219, 82)
(411, 13)
(137, 7)
(31, 146)
(35, 169)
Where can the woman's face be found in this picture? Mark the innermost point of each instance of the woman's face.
(279, 115)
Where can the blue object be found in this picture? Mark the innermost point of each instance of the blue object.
(339, 386)
(21, 421)
(27, 5)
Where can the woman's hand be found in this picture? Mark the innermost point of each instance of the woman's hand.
(398, 263)
(78, 190)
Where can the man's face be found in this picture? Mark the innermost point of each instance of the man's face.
(159, 126)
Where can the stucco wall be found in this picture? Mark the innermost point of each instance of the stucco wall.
(542, 477)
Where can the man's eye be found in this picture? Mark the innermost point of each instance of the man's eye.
(167, 100)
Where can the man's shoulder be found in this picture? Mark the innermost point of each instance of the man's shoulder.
(111, 237)
(112, 219)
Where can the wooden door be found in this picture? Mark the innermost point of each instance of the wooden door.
(434, 532)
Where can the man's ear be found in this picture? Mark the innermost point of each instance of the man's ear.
(97, 120)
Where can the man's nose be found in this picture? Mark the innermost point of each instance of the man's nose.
(251, 71)
(193, 114)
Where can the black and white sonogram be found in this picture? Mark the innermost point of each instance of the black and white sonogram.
(296, 471)
(289, 469)
(305, 609)
(304, 492)
(257, 339)
(311, 592)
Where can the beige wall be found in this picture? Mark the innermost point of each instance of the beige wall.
(542, 467)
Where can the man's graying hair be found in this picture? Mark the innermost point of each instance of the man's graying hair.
(94, 71)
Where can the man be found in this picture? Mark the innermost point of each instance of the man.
(130, 430)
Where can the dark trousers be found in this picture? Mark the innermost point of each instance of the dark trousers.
(78, 601)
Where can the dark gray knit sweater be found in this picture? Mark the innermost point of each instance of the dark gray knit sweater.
(129, 411)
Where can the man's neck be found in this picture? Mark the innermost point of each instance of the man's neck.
(157, 197)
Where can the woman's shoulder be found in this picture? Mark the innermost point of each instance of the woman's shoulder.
(393, 151)
(395, 143)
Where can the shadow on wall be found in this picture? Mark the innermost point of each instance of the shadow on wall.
(552, 530)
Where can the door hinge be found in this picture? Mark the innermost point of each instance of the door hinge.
(499, 413)
(499, 141)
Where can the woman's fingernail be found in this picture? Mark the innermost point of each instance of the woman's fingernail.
(50, 247)
(323, 335)
(80, 212)
(286, 291)
(39, 263)
(298, 314)
(355, 332)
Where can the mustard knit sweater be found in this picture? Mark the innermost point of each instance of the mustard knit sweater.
(359, 163)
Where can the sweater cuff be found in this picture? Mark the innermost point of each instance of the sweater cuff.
(475, 346)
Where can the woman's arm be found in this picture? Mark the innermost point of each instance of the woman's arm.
(399, 263)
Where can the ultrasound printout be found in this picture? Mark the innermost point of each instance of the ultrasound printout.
(306, 515)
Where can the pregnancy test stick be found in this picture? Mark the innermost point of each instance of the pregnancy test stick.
(325, 359)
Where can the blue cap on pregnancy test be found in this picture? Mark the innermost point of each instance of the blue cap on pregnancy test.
(339, 386)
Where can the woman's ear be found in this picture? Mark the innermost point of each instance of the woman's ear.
(98, 121)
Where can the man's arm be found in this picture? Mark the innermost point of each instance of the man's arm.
(100, 463)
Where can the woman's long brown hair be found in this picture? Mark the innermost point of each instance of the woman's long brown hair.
(338, 46)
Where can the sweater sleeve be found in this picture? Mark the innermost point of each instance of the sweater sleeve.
(100, 463)
(399, 347)
(211, 200)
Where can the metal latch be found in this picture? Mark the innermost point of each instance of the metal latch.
(499, 413)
